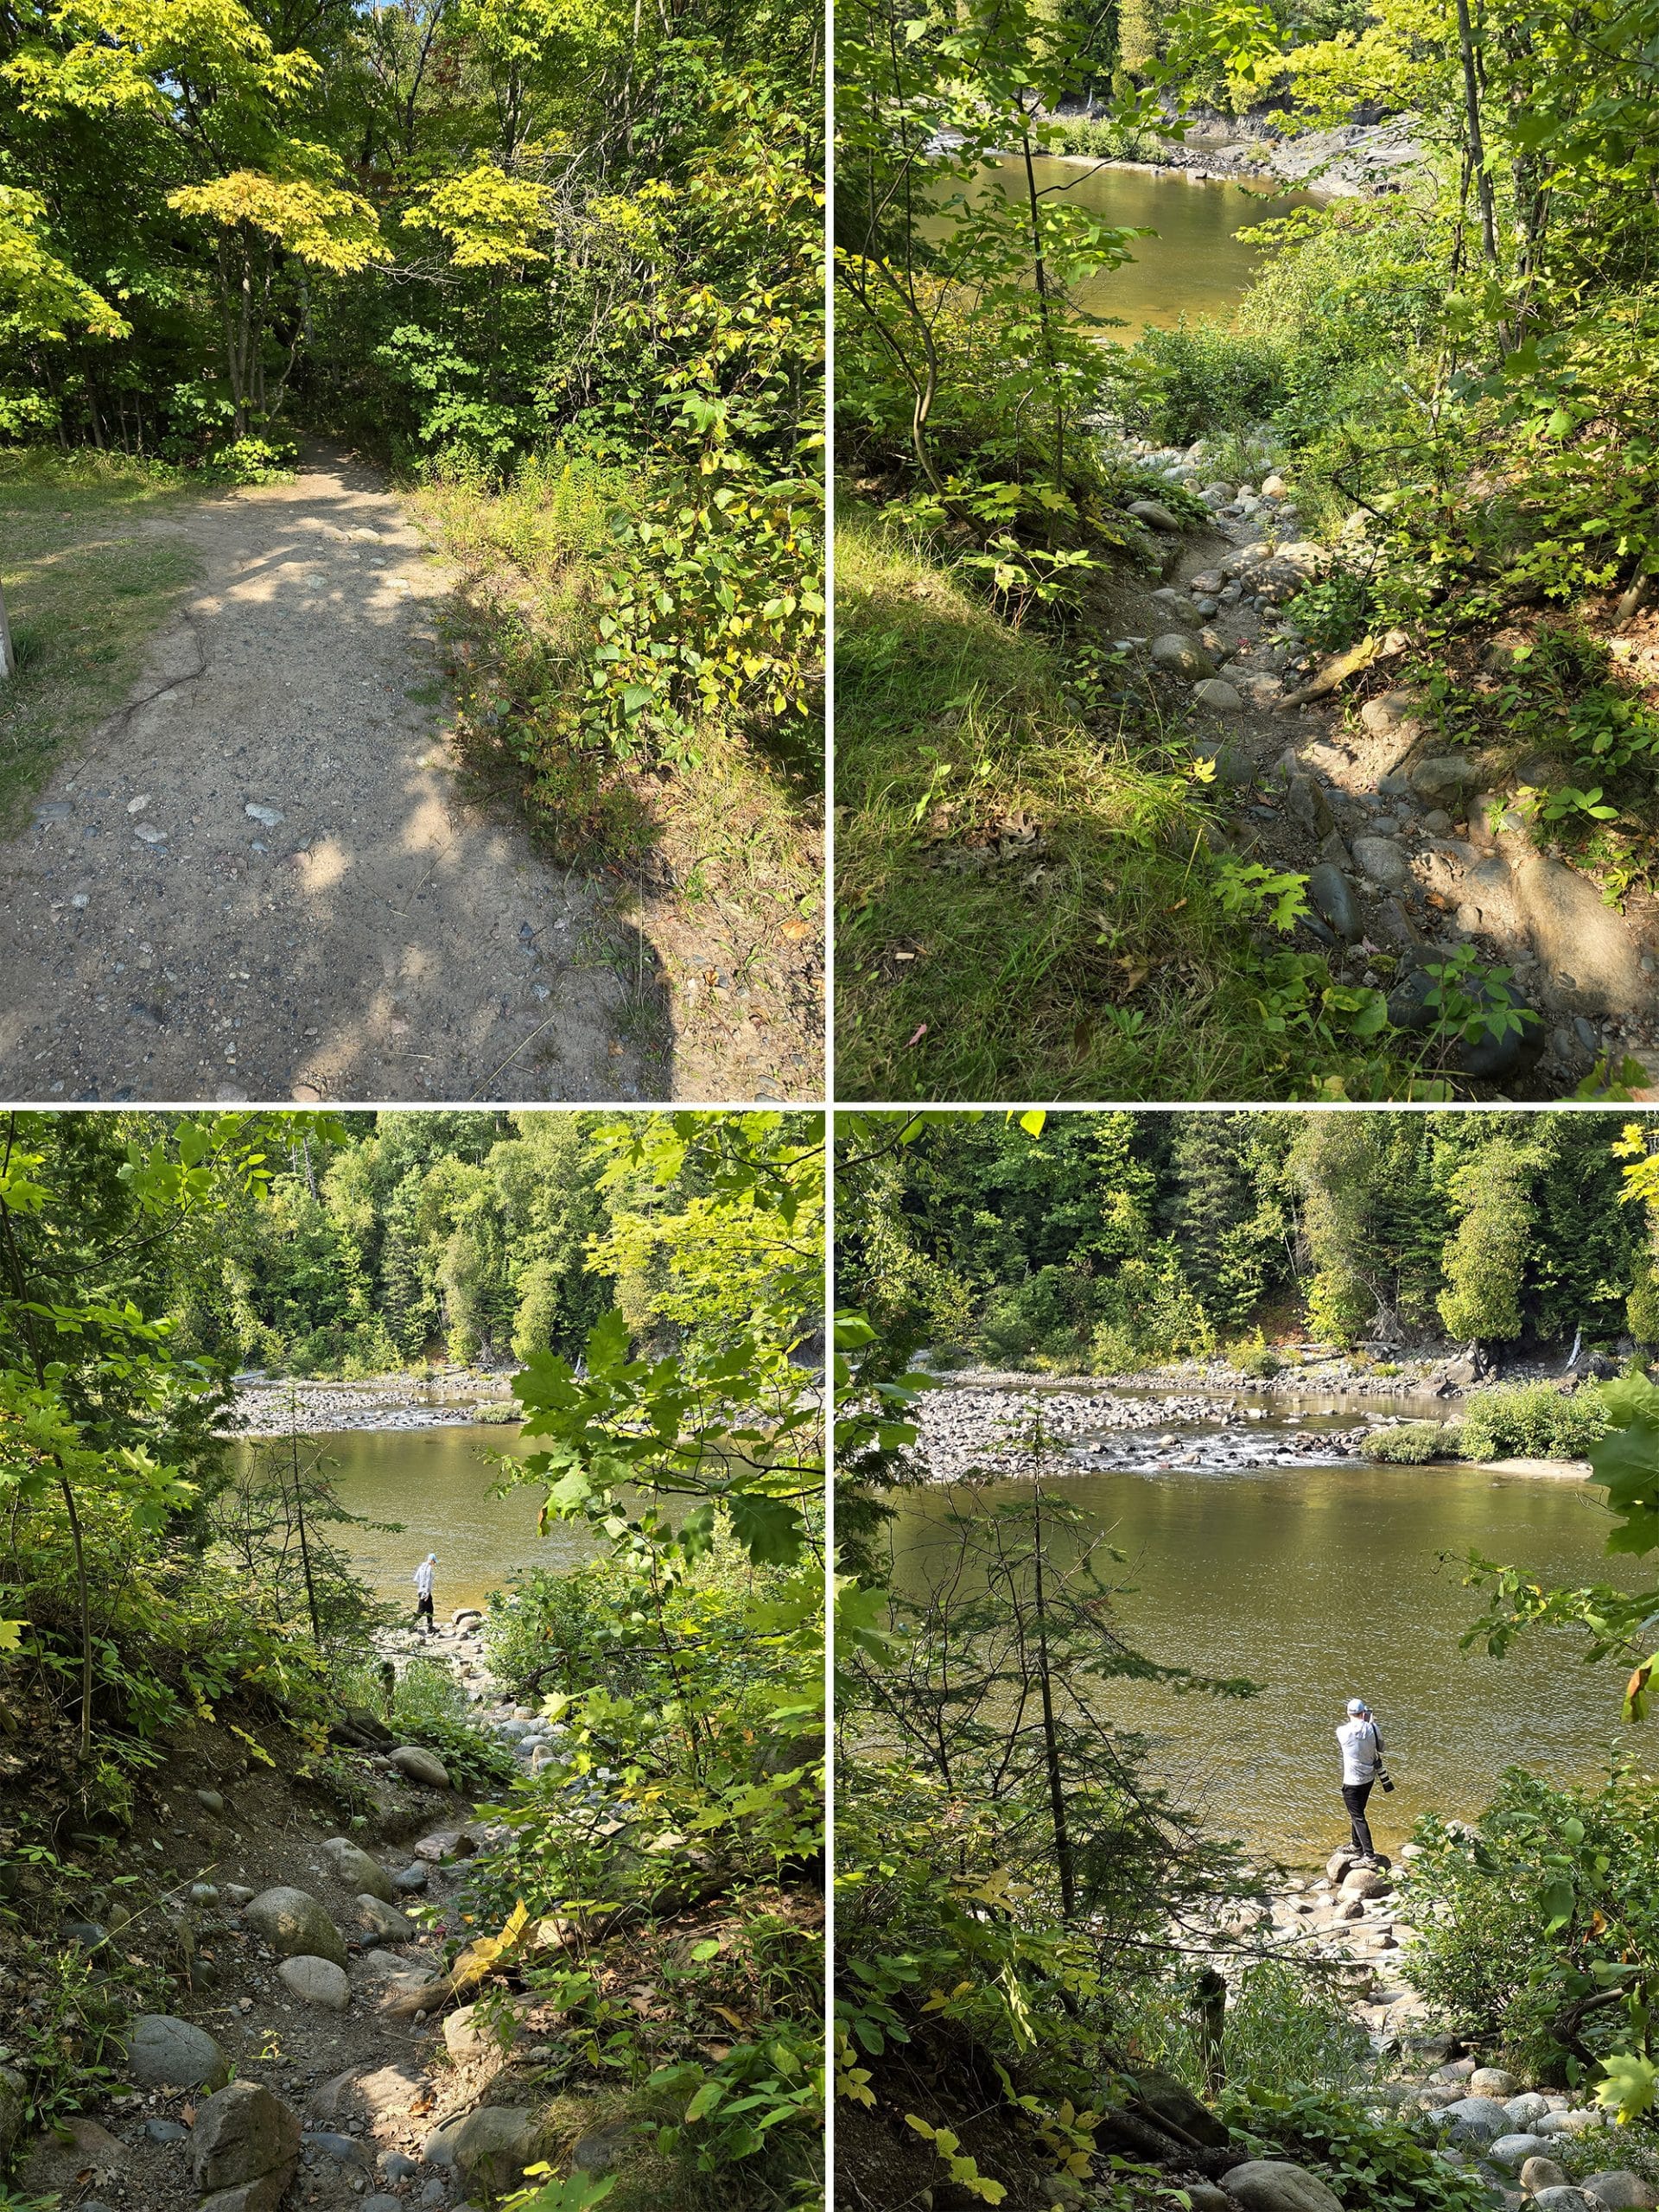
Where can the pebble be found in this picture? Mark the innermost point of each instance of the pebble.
(268, 817)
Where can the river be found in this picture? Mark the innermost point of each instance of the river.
(1323, 1582)
(436, 1481)
(1196, 266)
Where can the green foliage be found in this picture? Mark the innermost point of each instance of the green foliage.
(1285, 2032)
(1119, 1240)
(1365, 2162)
(1414, 1443)
(1531, 1420)
(1536, 1930)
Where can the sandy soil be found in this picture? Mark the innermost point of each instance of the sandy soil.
(369, 935)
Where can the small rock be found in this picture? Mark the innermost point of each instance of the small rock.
(1217, 697)
(383, 1920)
(1444, 776)
(1333, 899)
(1542, 2173)
(493, 2144)
(316, 1981)
(411, 1880)
(1524, 2110)
(1578, 2122)
(238, 1893)
(357, 1870)
(1384, 861)
(380, 2202)
(420, 1766)
(148, 834)
(1493, 2082)
(599, 2149)
(268, 817)
(166, 2131)
(346, 2149)
(1515, 2150)
(396, 2167)
(1154, 513)
(204, 1894)
(211, 1802)
(1181, 656)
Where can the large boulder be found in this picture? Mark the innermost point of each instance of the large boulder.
(295, 1925)
(1622, 2191)
(1567, 2199)
(1542, 2173)
(1366, 1882)
(1273, 2186)
(1526, 2108)
(54, 2167)
(316, 1981)
(163, 2053)
(1574, 932)
(419, 1765)
(245, 2139)
(482, 2031)
(360, 1873)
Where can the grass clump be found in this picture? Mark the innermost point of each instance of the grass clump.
(85, 589)
(1025, 898)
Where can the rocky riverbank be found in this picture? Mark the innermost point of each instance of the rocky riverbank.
(1350, 161)
(1533, 2147)
(452, 1397)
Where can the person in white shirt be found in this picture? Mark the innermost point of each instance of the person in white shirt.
(424, 1592)
(1361, 1741)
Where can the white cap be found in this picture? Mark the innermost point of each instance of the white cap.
(1358, 1704)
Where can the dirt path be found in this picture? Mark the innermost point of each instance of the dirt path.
(260, 881)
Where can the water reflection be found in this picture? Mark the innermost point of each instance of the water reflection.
(1323, 1583)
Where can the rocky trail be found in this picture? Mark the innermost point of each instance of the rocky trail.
(1410, 847)
(262, 878)
(313, 2055)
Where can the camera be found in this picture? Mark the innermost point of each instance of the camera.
(1384, 1783)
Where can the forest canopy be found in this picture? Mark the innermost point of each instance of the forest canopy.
(1121, 1238)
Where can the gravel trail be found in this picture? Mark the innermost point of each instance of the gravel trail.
(260, 880)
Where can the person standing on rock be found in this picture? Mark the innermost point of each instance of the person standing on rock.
(1361, 1741)
(424, 1592)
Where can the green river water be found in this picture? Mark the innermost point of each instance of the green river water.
(1196, 266)
(436, 1481)
(1323, 1583)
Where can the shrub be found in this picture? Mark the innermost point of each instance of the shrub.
(1258, 1359)
(1175, 385)
(1526, 1924)
(1532, 1421)
(1413, 1443)
(1286, 2032)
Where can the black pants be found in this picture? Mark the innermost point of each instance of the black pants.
(424, 1605)
(1354, 1795)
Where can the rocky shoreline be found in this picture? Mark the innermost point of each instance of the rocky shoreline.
(1352, 161)
(269, 1405)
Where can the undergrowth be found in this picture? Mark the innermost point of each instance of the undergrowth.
(85, 589)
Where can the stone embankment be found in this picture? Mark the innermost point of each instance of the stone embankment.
(1416, 854)
(327, 2062)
